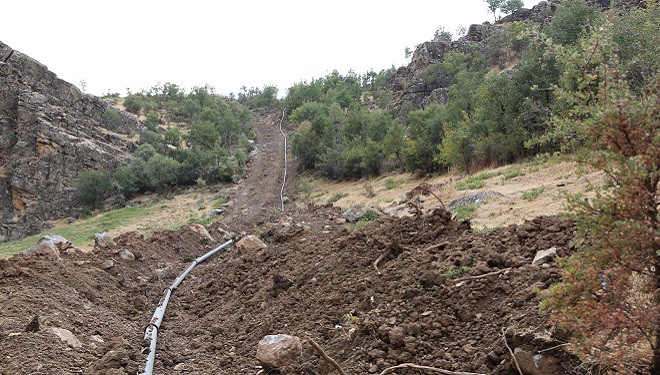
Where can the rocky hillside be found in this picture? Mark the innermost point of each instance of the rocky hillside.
(49, 133)
(408, 85)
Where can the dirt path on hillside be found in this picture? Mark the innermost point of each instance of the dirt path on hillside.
(257, 196)
(315, 278)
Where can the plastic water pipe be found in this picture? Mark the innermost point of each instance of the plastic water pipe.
(284, 180)
(151, 332)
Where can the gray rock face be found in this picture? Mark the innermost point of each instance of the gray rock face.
(49, 133)
(275, 351)
(412, 92)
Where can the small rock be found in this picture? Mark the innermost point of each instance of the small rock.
(66, 336)
(103, 240)
(126, 255)
(544, 256)
(354, 214)
(163, 273)
(494, 358)
(251, 243)
(480, 268)
(201, 230)
(107, 264)
(275, 351)
(34, 325)
(526, 362)
(397, 336)
(377, 353)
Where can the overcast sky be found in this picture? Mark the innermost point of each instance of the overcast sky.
(120, 44)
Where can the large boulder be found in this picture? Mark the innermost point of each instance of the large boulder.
(201, 230)
(276, 351)
(51, 244)
(251, 243)
(103, 240)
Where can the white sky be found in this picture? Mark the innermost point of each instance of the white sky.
(120, 44)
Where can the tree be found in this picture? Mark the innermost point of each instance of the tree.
(162, 171)
(511, 6)
(571, 20)
(493, 6)
(505, 6)
(93, 187)
(609, 297)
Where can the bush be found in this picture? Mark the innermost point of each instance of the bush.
(608, 296)
(530, 195)
(571, 21)
(126, 182)
(162, 172)
(93, 188)
(133, 103)
(111, 117)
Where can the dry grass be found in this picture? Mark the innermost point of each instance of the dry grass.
(150, 216)
(554, 177)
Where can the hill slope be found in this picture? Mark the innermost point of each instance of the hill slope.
(49, 133)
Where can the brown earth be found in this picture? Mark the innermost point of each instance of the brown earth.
(314, 279)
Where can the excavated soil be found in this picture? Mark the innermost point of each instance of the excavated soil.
(314, 279)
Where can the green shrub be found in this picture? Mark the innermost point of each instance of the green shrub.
(370, 215)
(126, 182)
(571, 21)
(93, 188)
(162, 172)
(337, 197)
(465, 212)
(111, 117)
(456, 272)
(133, 103)
(366, 219)
(530, 195)
(392, 183)
(512, 173)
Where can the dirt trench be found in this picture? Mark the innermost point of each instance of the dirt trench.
(315, 278)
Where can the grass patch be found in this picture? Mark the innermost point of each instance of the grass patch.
(474, 182)
(530, 195)
(81, 233)
(471, 185)
(512, 173)
(366, 219)
(465, 212)
(392, 183)
(456, 272)
(337, 197)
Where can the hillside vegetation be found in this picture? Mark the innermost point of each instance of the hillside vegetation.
(191, 138)
(499, 105)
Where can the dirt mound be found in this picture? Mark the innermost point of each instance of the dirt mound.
(105, 309)
(314, 279)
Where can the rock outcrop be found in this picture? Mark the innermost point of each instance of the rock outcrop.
(49, 133)
(412, 92)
